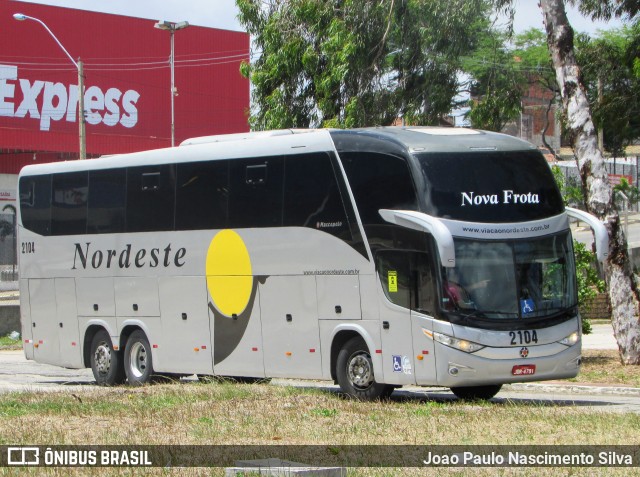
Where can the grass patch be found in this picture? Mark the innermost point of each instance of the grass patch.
(259, 414)
(191, 413)
(8, 343)
(604, 367)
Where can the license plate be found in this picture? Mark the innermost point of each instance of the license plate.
(523, 369)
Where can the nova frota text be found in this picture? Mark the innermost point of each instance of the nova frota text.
(127, 257)
(507, 197)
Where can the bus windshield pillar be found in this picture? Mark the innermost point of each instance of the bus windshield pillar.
(425, 223)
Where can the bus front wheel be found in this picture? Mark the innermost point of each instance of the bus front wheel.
(474, 393)
(354, 371)
(138, 364)
(106, 363)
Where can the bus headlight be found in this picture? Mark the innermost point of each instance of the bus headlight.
(570, 340)
(462, 345)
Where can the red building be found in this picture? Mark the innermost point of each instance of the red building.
(127, 85)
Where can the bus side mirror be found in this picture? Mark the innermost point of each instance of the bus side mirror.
(599, 231)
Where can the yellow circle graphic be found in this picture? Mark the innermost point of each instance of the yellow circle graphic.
(228, 268)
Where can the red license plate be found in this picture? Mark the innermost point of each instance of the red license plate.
(523, 369)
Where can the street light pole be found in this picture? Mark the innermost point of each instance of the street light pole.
(172, 28)
(79, 67)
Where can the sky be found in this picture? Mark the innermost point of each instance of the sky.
(222, 13)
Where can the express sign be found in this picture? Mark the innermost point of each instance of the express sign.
(46, 101)
(127, 80)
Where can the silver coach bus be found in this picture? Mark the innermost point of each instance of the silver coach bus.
(376, 258)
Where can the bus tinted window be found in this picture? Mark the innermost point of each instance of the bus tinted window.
(69, 204)
(35, 203)
(379, 181)
(311, 195)
(107, 198)
(256, 192)
(150, 198)
(202, 195)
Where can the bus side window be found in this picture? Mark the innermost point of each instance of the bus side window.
(394, 273)
(312, 196)
(202, 195)
(423, 284)
(69, 203)
(256, 192)
(150, 198)
(407, 279)
(35, 203)
(379, 181)
(107, 198)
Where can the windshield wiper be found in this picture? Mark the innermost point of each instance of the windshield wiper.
(483, 313)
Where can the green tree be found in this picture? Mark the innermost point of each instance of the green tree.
(496, 83)
(613, 87)
(622, 285)
(356, 62)
(588, 280)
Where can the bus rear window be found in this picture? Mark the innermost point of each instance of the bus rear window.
(35, 203)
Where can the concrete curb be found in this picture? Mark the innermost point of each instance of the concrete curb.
(572, 389)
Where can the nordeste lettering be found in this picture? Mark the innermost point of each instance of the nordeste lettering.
(85, 257)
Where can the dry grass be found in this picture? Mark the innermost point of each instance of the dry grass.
(604, 367)
(263, 414)
(191, 413)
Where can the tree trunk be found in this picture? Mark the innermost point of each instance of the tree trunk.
(621, 282)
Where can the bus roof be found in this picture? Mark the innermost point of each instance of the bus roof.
(440, 139)
(267, 143)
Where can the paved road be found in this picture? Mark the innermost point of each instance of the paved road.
(18, 374)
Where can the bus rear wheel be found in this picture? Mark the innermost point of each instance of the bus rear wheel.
(475, 393)
(354, 371)
(138, 364)
(106, 363)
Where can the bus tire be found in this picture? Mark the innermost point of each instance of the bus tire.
(138, 364)
(106, 363)
(354, 372)
(475, 393)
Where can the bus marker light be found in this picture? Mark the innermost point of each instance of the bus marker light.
(203, 347)
(425, 351)
(312, 350)
(73, 343)
(40, 342)
(155, 346)
(419, 357)
(196, 349)
(254, 349)
(288, 353)
(378, 351)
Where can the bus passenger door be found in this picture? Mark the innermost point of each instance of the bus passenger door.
(423, 302)
(394, 273)
(407, 281)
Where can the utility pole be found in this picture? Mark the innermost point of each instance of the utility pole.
(81, 118)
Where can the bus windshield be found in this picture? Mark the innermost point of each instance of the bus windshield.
(520, 279)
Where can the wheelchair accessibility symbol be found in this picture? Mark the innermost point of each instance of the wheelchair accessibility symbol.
(526, 306)
(397, 364)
